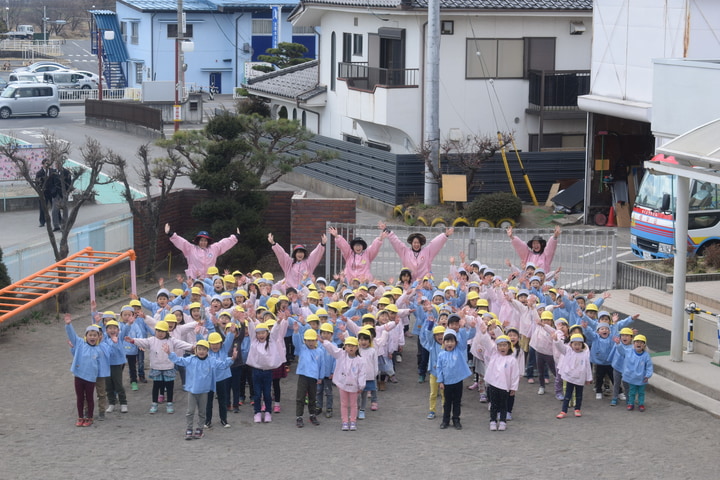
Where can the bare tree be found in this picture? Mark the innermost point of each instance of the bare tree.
(468, 153)
(164, 171)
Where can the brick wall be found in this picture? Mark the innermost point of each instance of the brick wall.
(291, 220)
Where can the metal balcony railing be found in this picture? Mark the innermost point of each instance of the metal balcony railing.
(557, 89)
(360, 76)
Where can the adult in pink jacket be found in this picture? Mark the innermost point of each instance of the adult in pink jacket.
(202, 253)
(298, 265)
(536, 251)
(415, 257)
(357, 255)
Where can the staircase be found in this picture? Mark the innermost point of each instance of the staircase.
(695, 380)
(114, 52)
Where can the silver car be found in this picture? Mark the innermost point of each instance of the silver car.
(29, 99)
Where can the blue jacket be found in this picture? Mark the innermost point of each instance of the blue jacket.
(637, 367)
(452, 366)
(328, 363)
(222, 370)
(87, 359)
(602, 349)
(199, 374)
(618, 358)
(427, 340)
(116, 352)
(311, 361)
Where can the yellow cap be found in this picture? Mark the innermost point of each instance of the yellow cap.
(195, 305)
(321, 312)
(640, 338)
(591, 308)
(546, 315)
(327, 327)
(203, 343)
(368, 317)
(215, 337)
(314, 295)
(392, 308)
(268, 276)
(111, 323)
(170, 317)
(229, 279)
(626, 331)
(438, 329)
(351, 341)
(384, 301)
(472, 296)
(310, 334)
(256, 272)
(330, 289)
(481, 302)
(213, 271)
(196, 291)
(177, 291)
(162, 326)
(576, 337)
(242, 292)
(312, 318)
(135, 303)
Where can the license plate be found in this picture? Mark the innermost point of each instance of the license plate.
(647, 256)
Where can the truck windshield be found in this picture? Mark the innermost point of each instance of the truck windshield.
(651, 191)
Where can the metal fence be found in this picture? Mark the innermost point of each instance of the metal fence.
(134, 113)
(112, 235)
(586, 256)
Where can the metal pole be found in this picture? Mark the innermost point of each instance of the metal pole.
(100, 65)
(44, 24)
(178, 63)
(691, 309)
(681, 233)
(91, 282)
(432, 100)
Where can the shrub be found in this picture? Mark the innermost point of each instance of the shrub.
(4, 277)
(494, 206)
(712, 255)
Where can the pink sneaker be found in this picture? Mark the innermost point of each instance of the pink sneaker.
(258, 417)
(268, 417)
(262, 407)
(161, 398)
(474, 386)
(276, 408)
(373, 406)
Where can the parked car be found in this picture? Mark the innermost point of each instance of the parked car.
(24, 77)
(66, 80)
(36, 65)
(29, 99)
(3, 84)
(90, 75)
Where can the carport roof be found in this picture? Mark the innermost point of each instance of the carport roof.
(699, 147)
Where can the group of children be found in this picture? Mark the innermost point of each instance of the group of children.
(223, 332)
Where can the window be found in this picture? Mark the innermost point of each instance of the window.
(138, 73)
(357, 44)
(347, 47)
(539, 54)
(123, 31)
(172, 30)
(296, 30)
(494, 58)
(333, 62)
(447, 27)
(262, 26)
(571, 141)
(134, 33)
(352, 139)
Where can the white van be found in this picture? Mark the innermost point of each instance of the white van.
(29, 99)
(66, 80)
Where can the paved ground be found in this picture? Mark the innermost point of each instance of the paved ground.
(39, 440)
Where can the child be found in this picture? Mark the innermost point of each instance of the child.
(309, 372)
(162, 370)
(199, 379)
(219, 350)
(542, 341)
(349, 376)
(324, 386)
(432, 340)
(136, 328)
(452, 370)
(637, 370)
(502, 376)
(266, 354)
(116, 357)
(86, 368)
(618, 362)
(574, 367)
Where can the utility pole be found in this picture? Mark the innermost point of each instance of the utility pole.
(431, 127)
(178, 64)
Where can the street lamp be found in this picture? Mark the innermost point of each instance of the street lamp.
(108, 35)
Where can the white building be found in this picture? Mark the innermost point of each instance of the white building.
(492, 54)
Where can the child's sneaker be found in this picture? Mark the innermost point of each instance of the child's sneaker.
(345, 426)
(613, 402)
(353, 426)
(262, 407)
(299, 422)
(531, 380)
(561, 415)
(170, 408)
(161, 398)
(258, 417)
(134, 387)
(560, 396)
(154, 408)
(398, 359)
(373, 406)
(79, 422)
(578, 413)
(641, 408)
(502, 426)
(101, 416)
(421, 378)
(361, 415)
(443, 425)
(509, 416)
(236, 409)
(457, 424)
(598, 396)
(224, 424)
(276, 407)
(483, 398)
(631, 407)
(198, 433)
(87, 422)
(188, 434)
(541, 391)
(314, 420)
(142, 379)
(493, 426)
(622, 397)
(208, 425)
(110, 408)
(393, 379)
(474, 386)
(123, 409)
(431, 415)
(267, 418)
(328, 413)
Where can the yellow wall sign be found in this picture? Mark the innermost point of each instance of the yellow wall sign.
(454, 188)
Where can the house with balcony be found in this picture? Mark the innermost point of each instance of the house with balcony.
(226, 36)
(654, 76)
(515, 66)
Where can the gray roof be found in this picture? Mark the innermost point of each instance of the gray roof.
(466, 4)
(204, 5)
(298, 82)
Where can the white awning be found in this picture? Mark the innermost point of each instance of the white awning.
(697, 148)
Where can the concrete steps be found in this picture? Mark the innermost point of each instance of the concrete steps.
(696, 380)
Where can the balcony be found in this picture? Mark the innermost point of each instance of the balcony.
(554, 94)
(359, 76)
